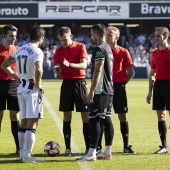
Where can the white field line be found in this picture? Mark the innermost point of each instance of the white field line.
(83, 165)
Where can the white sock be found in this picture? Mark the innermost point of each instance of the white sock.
(29, 143)
(107, 150)
(21, 137)
(92, 152)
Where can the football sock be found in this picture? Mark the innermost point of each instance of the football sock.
(0, 126)
(107, 150)
(92, 152)
(67, 134)
(94, 132)
(21, 137)
(86, 133)
(109, 130)
(14, 130)
(124, 128)
(29, 141)
(101, 135)
(162, 132)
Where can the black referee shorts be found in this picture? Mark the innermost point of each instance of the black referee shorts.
(73, 92)
(161, 95)
(120, 98)
(8, 95)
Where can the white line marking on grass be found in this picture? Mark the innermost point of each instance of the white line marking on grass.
(83, 165)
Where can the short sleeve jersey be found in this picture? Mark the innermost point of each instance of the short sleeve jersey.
(161, 63)
(103, 52)
(72, 54)
(25, 58)
(4, 54)
(122, 60)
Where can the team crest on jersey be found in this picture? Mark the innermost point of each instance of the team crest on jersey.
(99, 54)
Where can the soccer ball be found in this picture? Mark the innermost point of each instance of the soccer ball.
(52, 148)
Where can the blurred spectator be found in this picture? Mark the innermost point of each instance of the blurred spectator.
(47, 58)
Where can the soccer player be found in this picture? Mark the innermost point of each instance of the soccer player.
(159, 83)
(100, 95)
(122, 72)
(71, 61)
(8, 85)
(29, 60)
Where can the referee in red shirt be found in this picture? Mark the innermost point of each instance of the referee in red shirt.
(122, 72)
(70, 61)
(159, 83)
(8, 86)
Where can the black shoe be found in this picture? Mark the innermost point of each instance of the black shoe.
(17, 151)
(128, 150)
(98, 150)
(68, 152)
(161, 150)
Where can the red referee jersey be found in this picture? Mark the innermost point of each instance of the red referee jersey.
(122, 60)
(4, 54)
(72, 54)
(161, 63)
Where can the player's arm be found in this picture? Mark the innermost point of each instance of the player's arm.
(38, 74)
(81, 65)
(151, 83)
(95, 80)
(129, 73)
(6, 66)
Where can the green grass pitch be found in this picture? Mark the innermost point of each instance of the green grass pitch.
(143, 136)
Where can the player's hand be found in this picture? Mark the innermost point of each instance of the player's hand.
(57, 69)
(89, 98)
(40, 95)
(148, 98)
(66, 63)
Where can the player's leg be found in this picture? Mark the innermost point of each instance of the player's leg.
(109, 112)
(162, 129)
(109, 133)
(23, 124)
(109, 129)
(13, 106)
(14, 117)
(99, 146)
(124, 128)
(161, 98)
(67, 132)
(86, 129)
(21, 136)
(120, 107)
(94, 137)
(80, 93)
(30, 136)
(34, 112)
(1, 117)
(67, 106)
(3, 94)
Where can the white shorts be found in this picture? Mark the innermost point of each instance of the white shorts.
(30, 105)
